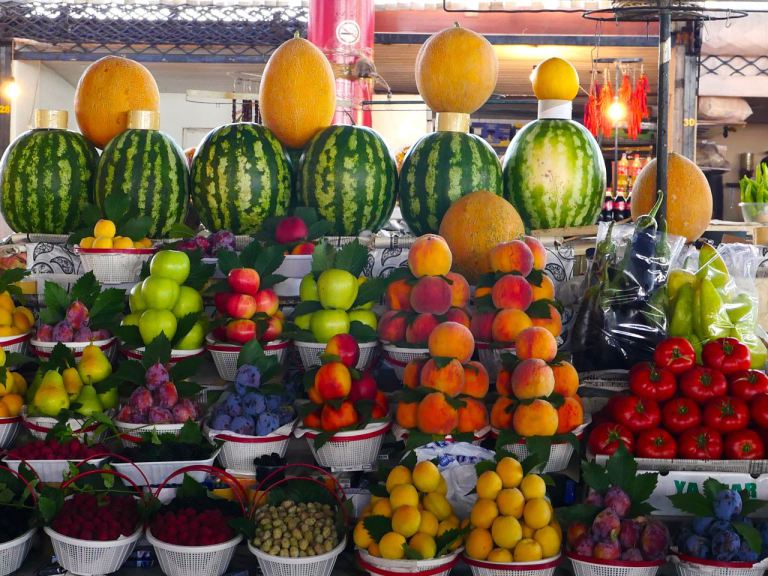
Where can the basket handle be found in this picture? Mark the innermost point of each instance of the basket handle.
(333, 493)
(285, 467)
(117, 457)
(239, 491)
(23, 480)
(115, 473)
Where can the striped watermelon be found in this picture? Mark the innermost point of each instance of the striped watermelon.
(438, 170)
(151, 169)
(46, 178)
(349, 175)
(554, 174)
(241, 176)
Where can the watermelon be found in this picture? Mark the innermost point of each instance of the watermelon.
(46, 178)
(241, 176)
(349, 176)
(151, 169)
(438, 170)
(554, 174)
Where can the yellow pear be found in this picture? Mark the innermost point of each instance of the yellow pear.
(72, 382)
(2, 357)
(9, 385)
(94, 365)
(88, 401)
(51, 397)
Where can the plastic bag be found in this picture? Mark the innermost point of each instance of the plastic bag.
(622, 315)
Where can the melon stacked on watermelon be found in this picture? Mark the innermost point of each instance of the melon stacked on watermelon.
(456, 71)
(554, 172)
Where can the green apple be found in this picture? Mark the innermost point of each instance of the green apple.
(171, 264)
(368, 305)
(193, 339)
(108, 399)
(136, 300)
(303, 321)
(131, 319)
(308, 289)
(189, 302)
(153, 322)
(337, 289)
(366, 317)
(325, 324)
(160, 293)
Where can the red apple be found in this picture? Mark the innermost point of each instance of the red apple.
(267, 302)
(273, 330)
(333, 380)
(241, 331)
(303, 249)
(344, 346)
(381, 407)
(220, 301)
(241, 306)
(244, 280)
(291, 229)
(364, 388)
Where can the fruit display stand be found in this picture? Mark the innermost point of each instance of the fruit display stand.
(376, 566)
(112, 266)
(545, 567)
(225, 355)
(688, 566)
(310, 353)
(583, 566)
(752, 467)
(352, 450)
(238, 451)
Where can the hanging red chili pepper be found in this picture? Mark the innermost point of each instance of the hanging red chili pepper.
(641, 95)
(592, 109)
(606, 99)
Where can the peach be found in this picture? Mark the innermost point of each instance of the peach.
(482, 291)
(459, 289)
(314, 395)
(536, 342)
(504, 382)
(406, 414)
(513, 256)
(398, 295)
(502, 413)
(333, 419)
(392, 326)
(420, 328)
(435, 415)
(458, 315)
(475, 380)
(546, 291)
(448, 379)
(569, 416)
(512, 291)
(481, 326)
(312, 420)
(345, 348)
(333, 380)
(507, 324)
(412, 373)
(452, 340)
(430, 256)
(538, 251)
(554, 323)
(380, 406)
(539, 418)
(566, 379)
(473, 416)
(532, 378)
(431, 295)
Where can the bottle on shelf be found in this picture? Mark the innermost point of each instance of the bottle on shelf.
(607, 213)
(619, 207)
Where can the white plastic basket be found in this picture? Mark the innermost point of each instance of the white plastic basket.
(176, 355)
(9, 429)
(176, 560)
(295, 266)
(583, 566)
(490, 357)
(352, 450)
(130, 433)
(50, 470)
(225, 355)
(156, 472)
(18, 343)
(310, 353)
(39, 426)
(14, 552)
(238, 451)
(320, 565)
(688, 566)
(382, 567)
(605, 380)
(44, 349)
(543, 567)
(398, 358)
(91, 557)
(242, 241)
(401, 434)
(114, 266)
(559, 454)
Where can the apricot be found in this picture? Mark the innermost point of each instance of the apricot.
(473, 416)
(458, 315)
(312, 420)
(504, 382)
(420, 328)
(448, 379)
(546, 291)
(512, 291)
(538, 251)
(398, 295)
(481, 326)
(532, 378)
(392, 326)
(507, 324)
(475, 380)
(333, 380)
(332, 419)
(501, 413)
(314, 395)
(536, 342)
(431, 295)
(430, 256)
(435, 415)
(512, 256)
(451, 340)
(459, 289)
(566, 379)
(539, 418)
(570, 415)
(412, 373)
(406, 414)
(483, 291)
(554, 323)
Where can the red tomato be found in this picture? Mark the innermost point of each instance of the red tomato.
(648, 381)
(606, 437)
(758, 408)
(700, 444)
(744, 445)
(637, 414)
(727, 355)
(656, 443)
(681, 414)
(747, 384)
(675, 354)
(726, 414)
(702, 384)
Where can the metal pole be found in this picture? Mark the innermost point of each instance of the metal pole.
(662, 120)
(6, 73)
(615, 170)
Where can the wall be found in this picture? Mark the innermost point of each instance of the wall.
(400, 124)
(40, 87)
(176, 114)
(751, 138)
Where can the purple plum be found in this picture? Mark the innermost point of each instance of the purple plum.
(187, 245)
(701, 524)
(725, 546)
(221, 421)
(83, 334)
(243, 425)
(222, 240)
(584, 545)
(166, 395)
(158, 415)
(45, 333)
(156, 376)
(77, 314)
(696, 546)
(632, 555)
(654, 541)
(607, 550)
(594, 498)
(745, 553)
(629, 535)
(727, 504)
(62, 332)
(617, 500)
(184, 410)
(141, 400)
(606, 525)
(101, 334)
(126, 414)
(203, 244)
